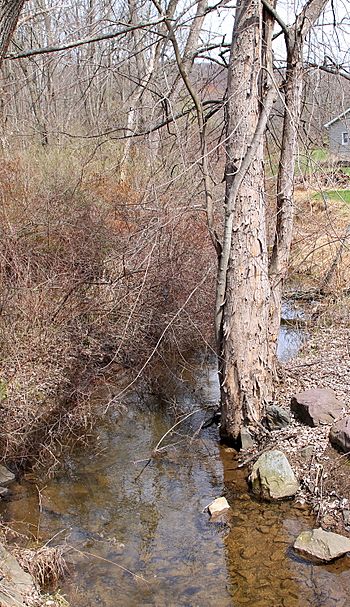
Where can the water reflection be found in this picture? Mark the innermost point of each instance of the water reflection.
(290, 340)
(292, 333)
(154, 525)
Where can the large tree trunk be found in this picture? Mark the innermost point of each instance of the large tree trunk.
(242, 311)
(248, 305)
(295, 37)
(9, 13)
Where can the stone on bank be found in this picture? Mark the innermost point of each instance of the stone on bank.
(17, 588)
(6, 477)
(321, 545)
(317, 407)
(339, 435)
(272, 477)
(276, 417)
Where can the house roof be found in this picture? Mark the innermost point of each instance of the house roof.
(337, 118)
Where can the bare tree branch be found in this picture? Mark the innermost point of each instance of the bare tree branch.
(336, 71)
(81, 42)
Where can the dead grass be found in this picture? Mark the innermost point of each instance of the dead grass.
(46, 565)
(317, 251)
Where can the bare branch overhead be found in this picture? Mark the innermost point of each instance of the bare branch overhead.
(82, 41)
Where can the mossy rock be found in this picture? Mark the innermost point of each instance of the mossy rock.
(272, 477)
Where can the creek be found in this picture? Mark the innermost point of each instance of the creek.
(141, 536)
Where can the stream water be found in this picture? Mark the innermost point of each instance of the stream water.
(140, 536)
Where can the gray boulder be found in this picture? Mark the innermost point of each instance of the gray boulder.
(316, 407)
(321, 545)
(6, 477)
(272, 477)
(339, 435)
(276, 417)
(17, 588)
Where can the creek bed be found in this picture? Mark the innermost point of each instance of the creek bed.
(154, 524)
(141, 537)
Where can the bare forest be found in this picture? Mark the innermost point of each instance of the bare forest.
(174, 203)
(153, 157)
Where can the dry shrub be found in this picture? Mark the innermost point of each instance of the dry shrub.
(52, 254)
(320, 260)
(46, 565)
(92, 271)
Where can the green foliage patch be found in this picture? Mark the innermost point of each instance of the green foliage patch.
(336, 195)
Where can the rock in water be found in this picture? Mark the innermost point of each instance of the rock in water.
(218, 506)
(339, 435)
(322, 545)
(272, 477)
(276, 417)
(6, 477)
(317, 407)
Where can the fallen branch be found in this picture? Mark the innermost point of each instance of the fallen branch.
(100, 558)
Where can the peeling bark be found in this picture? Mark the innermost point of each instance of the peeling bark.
(9, 13)
(243, 287)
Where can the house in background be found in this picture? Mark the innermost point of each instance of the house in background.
(339, 136)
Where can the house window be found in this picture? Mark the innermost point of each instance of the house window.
(345, 138)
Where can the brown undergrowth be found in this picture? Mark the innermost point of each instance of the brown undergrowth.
(320, 256)
(93, 271)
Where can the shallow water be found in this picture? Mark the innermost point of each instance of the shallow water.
(114, 517)
(292, 332)
(140, 535)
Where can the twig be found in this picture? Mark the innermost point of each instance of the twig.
(249, 459)
(172, 428)
(75, 43)
(158, 448)
(40, 509)
(96, 556)
(199, 429)
(339, 458)
(314, 362)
